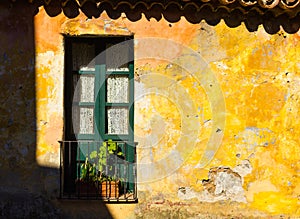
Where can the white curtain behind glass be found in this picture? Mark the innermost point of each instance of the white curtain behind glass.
(117, 89)
(117, 58)
(83, 116)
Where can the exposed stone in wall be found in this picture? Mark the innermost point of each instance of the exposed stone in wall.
(223, 183)
(104, 26)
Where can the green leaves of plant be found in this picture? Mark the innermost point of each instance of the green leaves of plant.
(111, 146)
(99, 159)
(88, 171)
(93, 154)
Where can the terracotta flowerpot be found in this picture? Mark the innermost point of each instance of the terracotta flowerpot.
(86, 188)
(106, 189)
(109, 189)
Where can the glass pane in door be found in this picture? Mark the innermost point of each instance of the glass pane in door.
(117, 89)
(82, 120)
(86, 125)
(83, 56)
(86, 84)
(117, 57)
(117, 120)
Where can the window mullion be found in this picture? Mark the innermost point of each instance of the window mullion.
(100, 101)
(131, 103)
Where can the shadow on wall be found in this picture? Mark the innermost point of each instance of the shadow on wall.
(24, 185)
(233, 15)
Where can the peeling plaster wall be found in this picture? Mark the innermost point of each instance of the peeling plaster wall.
(215, 114)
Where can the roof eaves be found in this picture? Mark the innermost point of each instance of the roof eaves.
(270, 13)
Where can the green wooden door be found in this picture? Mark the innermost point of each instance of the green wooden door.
(100, 73)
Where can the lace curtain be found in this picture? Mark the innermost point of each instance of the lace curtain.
(117, 90)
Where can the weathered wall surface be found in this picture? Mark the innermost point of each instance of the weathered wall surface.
(17, 80)
(22, 180)
(215, 115)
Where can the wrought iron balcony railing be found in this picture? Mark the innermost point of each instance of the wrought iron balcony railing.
(98, 170)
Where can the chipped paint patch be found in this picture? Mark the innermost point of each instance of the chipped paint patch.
(223, 183)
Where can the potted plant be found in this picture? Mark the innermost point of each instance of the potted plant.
(85, 186)
(106, 179)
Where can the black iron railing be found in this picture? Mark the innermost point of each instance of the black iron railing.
(98, 170)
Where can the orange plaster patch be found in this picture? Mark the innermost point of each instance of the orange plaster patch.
(47, 31)
(53, 131)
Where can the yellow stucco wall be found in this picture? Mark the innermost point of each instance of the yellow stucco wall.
(207, 96)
